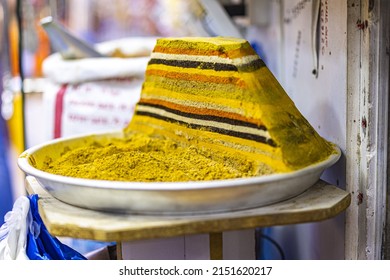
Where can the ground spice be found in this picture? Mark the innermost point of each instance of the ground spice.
(147, 159)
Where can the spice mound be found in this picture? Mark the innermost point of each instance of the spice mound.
(142, 158)
(219, 92)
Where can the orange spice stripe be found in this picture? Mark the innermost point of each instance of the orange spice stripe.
(196, 77)
(228, 54)
(201, 111)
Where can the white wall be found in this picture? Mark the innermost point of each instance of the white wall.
(288, 44)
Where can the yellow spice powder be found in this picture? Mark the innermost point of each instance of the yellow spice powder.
(141, 158)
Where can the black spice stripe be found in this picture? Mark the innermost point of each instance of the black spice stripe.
(194, 64)
(242, 135)
(254, 65)
(205, 117)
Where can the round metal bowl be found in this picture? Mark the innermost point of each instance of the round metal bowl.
(165, 198)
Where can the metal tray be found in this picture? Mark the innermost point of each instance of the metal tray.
(165, 198)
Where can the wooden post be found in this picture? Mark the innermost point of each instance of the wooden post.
(367, 126)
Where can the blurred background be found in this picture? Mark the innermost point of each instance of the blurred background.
(302, 42)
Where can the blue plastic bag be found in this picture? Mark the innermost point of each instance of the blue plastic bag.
(41, 245)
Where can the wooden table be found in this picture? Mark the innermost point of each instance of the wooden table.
(321, 201)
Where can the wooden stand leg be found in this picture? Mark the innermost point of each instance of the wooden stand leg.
(119, 250)
(216, 246)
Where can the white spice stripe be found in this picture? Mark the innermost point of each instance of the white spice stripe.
(202, 58)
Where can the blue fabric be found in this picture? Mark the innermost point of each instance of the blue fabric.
(41, 245)
(6, 199)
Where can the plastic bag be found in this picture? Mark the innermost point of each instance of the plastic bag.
(41, 245)
(13, 233)
(24, 236)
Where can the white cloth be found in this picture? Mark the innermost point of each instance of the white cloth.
(13, 233)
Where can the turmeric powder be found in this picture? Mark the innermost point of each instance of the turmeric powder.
(143, 158)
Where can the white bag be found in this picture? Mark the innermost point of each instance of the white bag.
(13, 233)
(95, 94)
